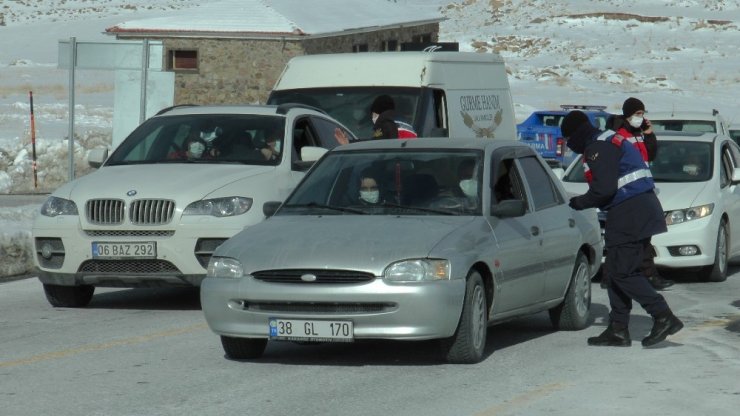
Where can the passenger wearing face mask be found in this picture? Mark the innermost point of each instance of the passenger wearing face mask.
(194, 148)
(468, 184)
(369, 191)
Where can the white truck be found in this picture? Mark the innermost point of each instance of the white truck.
(441, 94)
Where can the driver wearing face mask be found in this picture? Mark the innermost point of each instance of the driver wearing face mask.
(468, 183)
(369, 191)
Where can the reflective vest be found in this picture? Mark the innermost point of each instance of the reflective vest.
(634, 172)
(638, 141)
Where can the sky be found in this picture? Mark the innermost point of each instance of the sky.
(672, 54)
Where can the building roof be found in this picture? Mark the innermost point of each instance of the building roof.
(280, 19)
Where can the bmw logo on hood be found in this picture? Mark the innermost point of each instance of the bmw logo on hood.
(131, 192)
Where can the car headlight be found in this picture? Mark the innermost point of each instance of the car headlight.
(417, 270)
(219, 207)
(54, 206)
(682, 215)
(225, 267)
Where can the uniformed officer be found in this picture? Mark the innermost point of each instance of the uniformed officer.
(620, 183)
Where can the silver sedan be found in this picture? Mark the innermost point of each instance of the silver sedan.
(407, 240)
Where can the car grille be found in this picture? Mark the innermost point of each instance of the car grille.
(319, 307)
(130, 233)
(151, 211)
(322, 276)
(128, 267)
(141, 211)
(104, 211)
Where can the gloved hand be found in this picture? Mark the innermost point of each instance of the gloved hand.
(575, 204)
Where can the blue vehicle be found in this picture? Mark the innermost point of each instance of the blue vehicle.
(541, 131)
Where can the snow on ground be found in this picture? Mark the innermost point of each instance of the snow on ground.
(672, 54)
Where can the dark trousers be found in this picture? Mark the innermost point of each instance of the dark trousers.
(628, 282)
(647, 266)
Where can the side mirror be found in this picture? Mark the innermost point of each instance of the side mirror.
(270, 207)
(509, 208)
(97, 156)
(312, 153)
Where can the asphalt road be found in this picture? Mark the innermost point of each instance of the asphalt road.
(149, 352)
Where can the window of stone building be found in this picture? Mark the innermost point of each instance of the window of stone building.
(182, 60)
(360, 47)
(423, 38)
(390, 45)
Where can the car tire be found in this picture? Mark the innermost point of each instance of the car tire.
(469, 342)
(717, 272)
(68, 296)
(243, 348)
(573, 313)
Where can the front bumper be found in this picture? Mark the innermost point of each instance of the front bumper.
(701, 233)
(63, 254)
(379, 310)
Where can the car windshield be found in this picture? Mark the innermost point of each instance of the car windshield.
(682, 161)
(694, 126)
(203, 138)
(351, 105)
(677, 161)
(397, 182)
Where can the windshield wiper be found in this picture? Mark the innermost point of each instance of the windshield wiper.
(422, 209)
(330, 207)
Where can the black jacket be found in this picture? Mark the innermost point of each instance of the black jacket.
(634, 219)
(385, 126)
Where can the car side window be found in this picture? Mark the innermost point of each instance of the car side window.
(542, 188)
(508, 183)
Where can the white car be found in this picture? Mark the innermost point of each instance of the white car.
(176, 188)
(697, 177)
(689, 121)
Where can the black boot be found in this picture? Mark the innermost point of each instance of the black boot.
(663, 325)
(615, 335)
(658, 282)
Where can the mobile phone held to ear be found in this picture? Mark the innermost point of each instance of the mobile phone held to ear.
(644, 125)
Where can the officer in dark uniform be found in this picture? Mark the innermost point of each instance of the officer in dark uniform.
(620, 183)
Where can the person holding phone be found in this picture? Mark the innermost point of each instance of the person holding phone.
(636, 128)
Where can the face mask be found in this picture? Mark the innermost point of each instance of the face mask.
(196, 149)
(374, 117)
(469, 187)
(635, 121)
(370, 196)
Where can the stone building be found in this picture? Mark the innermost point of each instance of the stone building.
(233, 51)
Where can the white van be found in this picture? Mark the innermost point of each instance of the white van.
(441, 94)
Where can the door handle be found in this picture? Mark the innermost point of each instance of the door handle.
(535, 230)
(571, 222)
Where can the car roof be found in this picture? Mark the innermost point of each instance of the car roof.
(280, 110)
(429, 143)
(681, 135)
(682, 115)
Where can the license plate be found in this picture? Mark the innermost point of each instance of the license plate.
(139, 250)
(311, 330)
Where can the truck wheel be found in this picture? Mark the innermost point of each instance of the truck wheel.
(68, 296)
(469, 342)
(243, 348)
(572, 314)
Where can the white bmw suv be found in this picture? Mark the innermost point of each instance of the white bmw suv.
(178, 186)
